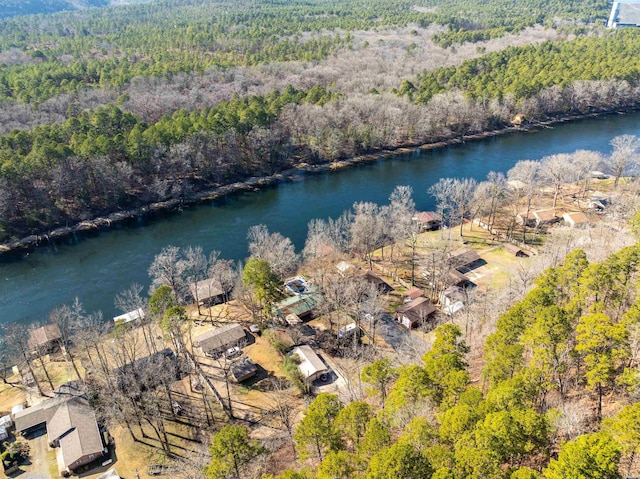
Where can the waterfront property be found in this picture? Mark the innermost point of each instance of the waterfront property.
(129, 317)
(207, 292)
(215, 341)
(547, 216)
(428, 220)
(45, 340)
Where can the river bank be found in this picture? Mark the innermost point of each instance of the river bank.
(101, 223)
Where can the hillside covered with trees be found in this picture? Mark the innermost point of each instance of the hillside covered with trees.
(112, 108)
(556, 360)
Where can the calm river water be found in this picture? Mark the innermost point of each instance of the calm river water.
(96, 268)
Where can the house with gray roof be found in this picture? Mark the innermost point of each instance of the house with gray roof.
(216, 340)
(71, 427)
(45, 339)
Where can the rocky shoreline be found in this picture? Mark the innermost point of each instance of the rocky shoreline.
(256, 183)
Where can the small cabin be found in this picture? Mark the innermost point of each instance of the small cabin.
(428, 220)
(415, 313)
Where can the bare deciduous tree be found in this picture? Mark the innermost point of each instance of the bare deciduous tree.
(624, 156)
(557, 170)
(274, 248)
(167, 269)
(527, 175)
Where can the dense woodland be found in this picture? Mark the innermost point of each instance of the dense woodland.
(119, 107)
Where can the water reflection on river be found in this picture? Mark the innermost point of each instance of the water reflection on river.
(98, 267)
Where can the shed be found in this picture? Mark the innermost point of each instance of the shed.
(46, 339)
(134, 315)
(412, 314)
(216, 340)
(311, 366)
(243, 369)
(428, 220)
(575, 220)
(515, 250)
(464, 259)
(207, 291)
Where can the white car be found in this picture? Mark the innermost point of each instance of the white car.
(233, 352)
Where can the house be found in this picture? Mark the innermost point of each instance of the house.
(143, 372)
(576, 220)
(134, 315)
(515, 250)
(208, 292)
(382, 286)
(311, 366)
(4, 435)
(464, 259)
(217, 340)
(547, 216)
(428, 220)
(598, 175)
(45, 340)
(412, 314)
(243, 369)
(299, 305)
(71, 427)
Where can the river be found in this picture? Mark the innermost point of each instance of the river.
(97, 267)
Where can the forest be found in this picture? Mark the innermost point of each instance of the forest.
(113, 108)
